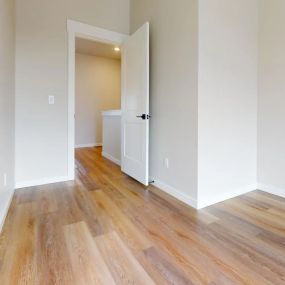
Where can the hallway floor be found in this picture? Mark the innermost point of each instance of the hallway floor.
(105, 228)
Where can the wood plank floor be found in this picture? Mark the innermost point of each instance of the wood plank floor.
(105, 228)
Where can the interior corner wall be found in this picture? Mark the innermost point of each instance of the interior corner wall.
(227, 129)
(98, 88)
(173, 92)
(41, 70)
(7, 74)
(271, 101)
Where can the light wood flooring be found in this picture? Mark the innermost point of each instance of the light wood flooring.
(105, 228)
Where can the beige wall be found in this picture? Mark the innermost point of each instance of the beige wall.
(271, 103)
(98, 88)
(228, 63)
(7, 55)
(173, 91)
(41, 70)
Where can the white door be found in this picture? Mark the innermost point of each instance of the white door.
(135, 105)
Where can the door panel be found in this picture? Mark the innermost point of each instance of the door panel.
(135, 102)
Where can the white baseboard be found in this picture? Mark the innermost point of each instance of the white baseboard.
(272, 190)
(208, 201)
(88, 145)
(43, 181)
(6, 209)
(112, 158)
(175, 193)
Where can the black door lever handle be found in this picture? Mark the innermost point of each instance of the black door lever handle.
(144, 116)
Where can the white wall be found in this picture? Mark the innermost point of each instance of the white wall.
(98, 88)
(224, 61)
(173, 91)
(112, 135)
(227, 143)
(228, 63)
(7, 74)
(41, 70)
(271, 103)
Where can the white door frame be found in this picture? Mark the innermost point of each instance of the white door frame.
(79, 30)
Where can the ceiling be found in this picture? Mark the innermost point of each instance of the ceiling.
(96, 49)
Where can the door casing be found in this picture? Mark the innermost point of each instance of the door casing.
(79, 30)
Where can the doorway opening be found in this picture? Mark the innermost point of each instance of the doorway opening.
(98, 97)
(135, 116)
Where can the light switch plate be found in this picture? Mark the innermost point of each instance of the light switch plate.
(51, 100)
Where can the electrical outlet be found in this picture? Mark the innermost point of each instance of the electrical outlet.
(166, 163)
(5, 179)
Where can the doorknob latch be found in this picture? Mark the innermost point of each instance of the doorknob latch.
(144, 116)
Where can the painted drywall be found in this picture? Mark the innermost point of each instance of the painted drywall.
(228, 60)
(98, 88)
(173, 91)
(112, 136)
(7, 94)
(41, 70)
(271, 100)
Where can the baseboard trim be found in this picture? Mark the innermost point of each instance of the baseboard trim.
(175, 193)
(271, 189)
(205, 203)
(43, 181)
(6, 210)
(88, 145)
(112, 158)
(226, 196)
